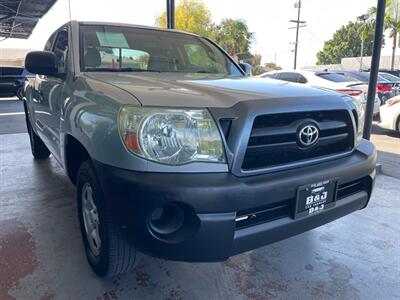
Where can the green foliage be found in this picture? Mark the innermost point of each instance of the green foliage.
(346, 42)
(272, 67)
(392, 22)
(190, 16)
(233, 36)
(194, 16)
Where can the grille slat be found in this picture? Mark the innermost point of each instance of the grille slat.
(257, 132)
(273, 138)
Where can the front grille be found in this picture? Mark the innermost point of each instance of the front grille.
(264, 214)
(273, 138)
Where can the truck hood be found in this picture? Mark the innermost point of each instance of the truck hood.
(199, 90)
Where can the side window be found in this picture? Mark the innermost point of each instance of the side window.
(302, 79)
(60, 50)
(290, 76)
(49, 43)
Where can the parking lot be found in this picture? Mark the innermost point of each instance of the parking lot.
(41, 254)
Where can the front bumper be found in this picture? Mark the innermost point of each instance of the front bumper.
(217, 199)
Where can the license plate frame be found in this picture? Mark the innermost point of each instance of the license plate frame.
(319, 201)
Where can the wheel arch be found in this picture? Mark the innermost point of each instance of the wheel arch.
(75, 153)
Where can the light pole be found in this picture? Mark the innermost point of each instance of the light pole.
(362, 18)
(373, 78)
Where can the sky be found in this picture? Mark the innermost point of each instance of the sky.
(267, 19)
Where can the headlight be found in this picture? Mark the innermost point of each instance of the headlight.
(171, 136)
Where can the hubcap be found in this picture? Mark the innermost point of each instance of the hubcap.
(91, 219)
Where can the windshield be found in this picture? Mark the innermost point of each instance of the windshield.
(337, 77)
(126, 49)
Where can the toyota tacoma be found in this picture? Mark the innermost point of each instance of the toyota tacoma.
(177, 153)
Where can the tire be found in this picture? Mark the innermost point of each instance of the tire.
(38, 148)
(108, 254)
(20, 93)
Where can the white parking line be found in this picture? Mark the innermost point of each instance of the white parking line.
(11, 114)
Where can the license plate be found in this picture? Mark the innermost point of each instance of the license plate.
(316, 197)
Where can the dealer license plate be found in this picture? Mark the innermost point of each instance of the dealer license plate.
(316, 197)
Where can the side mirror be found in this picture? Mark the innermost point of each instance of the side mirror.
(41, 62)
(246, 68)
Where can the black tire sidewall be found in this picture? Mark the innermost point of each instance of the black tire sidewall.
(100, 263)
(38, 148)
(29, 129)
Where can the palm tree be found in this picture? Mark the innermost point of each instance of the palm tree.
(392, 23)
(233, 36)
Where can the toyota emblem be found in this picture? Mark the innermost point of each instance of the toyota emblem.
(308, 135)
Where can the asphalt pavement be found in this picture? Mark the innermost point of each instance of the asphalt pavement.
(12, 119)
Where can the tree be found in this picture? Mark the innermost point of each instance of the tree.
(234, 36)
(272, 66)
(392, 23)
(194, 16)
(346, 42)
(191, 16)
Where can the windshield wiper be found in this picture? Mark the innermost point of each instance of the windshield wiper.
(137, 70)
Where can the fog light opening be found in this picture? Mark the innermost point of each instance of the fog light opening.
(166, 220)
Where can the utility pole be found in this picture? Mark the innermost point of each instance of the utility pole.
(171, 14)
(298, 22)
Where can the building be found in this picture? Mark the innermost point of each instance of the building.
(12, 57)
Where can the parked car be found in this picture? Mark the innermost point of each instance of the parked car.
(392, 72)
(390, 114)
(330, 80)
(12, 81)
(177, 153)
(388, 85)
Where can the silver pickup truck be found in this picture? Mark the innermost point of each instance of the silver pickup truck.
(177, 153)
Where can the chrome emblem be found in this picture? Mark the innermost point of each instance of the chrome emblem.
(308, 135)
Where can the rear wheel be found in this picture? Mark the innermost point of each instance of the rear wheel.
(38, 148)
(107, 252)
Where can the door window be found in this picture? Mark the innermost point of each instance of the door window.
(60, 50)
(302, 79)
(290, 76)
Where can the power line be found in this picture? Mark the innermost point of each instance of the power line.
(314, 35)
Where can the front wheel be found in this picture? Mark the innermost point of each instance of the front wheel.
(107, 252)
(20, 93)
